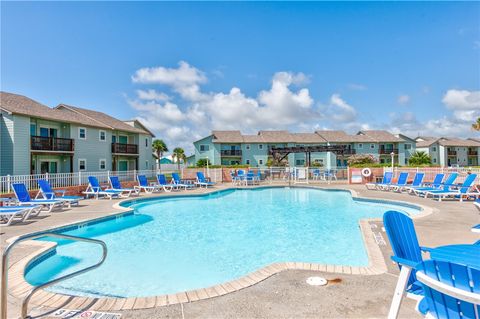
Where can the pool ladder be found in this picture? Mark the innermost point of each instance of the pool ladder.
(6, 251)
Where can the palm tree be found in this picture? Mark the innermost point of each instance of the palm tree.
(179, 154)
(159, 147)
(476, 125)
(419, 158)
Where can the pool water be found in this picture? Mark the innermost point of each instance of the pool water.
(176, 244)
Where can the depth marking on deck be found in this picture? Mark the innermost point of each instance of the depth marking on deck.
(379, 239)
(84, 314)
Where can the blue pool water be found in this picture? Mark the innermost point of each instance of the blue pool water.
(177, 244)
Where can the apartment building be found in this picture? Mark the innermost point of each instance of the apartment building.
(449, 151)
(37, 139)
(233, 147)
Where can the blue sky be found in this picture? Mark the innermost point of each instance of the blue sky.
(187, 68)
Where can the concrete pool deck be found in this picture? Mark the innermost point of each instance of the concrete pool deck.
(285, 294)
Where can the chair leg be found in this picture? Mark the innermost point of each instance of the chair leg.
(399, 292)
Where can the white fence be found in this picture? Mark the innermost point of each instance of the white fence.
(430, 172)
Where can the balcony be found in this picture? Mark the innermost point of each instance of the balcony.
(349, 151)
(231, 152)
(388, 151)
(472, 153)
(451, 153)
(51, 144)
(120, 148)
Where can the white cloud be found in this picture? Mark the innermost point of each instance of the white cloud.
(152, 95)
(462, 100)
(340, 111)
(403, 99)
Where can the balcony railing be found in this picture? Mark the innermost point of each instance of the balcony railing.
(120, 148)
(349, 151)
(231, 152)
(388, 151)
(54, 144)
(451, 153)
(472, 153)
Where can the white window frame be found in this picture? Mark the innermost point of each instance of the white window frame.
(409, 146)
(360, 145)
(79, 129)
(79, 160)
(247, 147)
(206, 148)
(146, 141)
(247, 161)
(434, 148)
(100, 164)
(260, 162)
(100, 135)
(260, 146)
(372, 146)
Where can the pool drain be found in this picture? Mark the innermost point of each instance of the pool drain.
(317, 281)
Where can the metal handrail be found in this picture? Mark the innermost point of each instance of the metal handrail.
(7, 250)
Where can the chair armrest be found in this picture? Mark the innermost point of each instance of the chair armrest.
(425, 249)
(404, 262)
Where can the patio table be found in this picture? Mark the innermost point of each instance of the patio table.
(468, 255)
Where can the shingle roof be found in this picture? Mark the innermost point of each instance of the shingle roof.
(227, 137)
(380, 135)
(342, 137)
(19, 104)
(308, 138)
(451, 141)
(101, 118)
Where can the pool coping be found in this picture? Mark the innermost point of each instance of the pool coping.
(19, 287)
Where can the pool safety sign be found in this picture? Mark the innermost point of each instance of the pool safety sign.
(84, 314)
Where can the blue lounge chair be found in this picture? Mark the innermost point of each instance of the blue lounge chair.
(143, 184)
(449, 181)
(451, 290)
(401, 182)
(46, 192)
(23, 198)
(202, 181)
(386, 181)
(435, 184)
(455, 191)
(9, 213)
(162, 182)
(407, 253)
(94, 189)
(476, 228)
(417, 182)
(117, 186)
(177, 181)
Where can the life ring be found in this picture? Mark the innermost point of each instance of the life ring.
(366, 172)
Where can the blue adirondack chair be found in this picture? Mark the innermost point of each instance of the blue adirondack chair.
(450, 290)
(407, 254)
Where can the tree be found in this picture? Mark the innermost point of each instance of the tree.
(179, 155)
(476, 125)
(203, 162)
(159, 147)
(419, 158)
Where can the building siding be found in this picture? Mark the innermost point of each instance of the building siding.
(21, 150)
(6, 143)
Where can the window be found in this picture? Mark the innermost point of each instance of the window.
(146, 142)
(434, 160)
(33, 129)
(372, 146)
(82, 164)
(434, 149)
(408, 146)
(146, 164)
(204, 148)
(260, 146)
(406, 161)
(360, 145)
(102, 135)
(260, 162)
(44, 132)
(114, 139)
(82, 133)
(247, 147)
(102, 164)
(300, 162)
(247, 162)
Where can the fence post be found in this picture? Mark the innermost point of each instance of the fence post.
(79, 178)
(8, 183)
(108, 174)
(46, 176)
(134, 174)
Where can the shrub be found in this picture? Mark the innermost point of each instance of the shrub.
(362, 160)
(203, 162)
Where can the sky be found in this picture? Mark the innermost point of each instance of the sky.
(186, 68)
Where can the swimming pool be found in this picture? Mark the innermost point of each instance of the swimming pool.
(182, 243)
